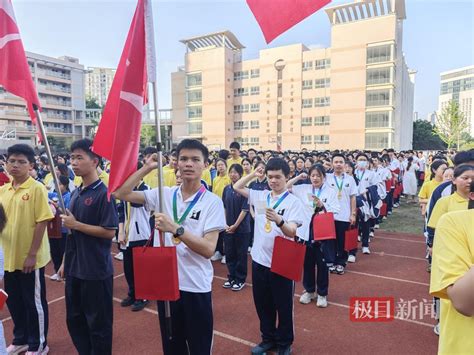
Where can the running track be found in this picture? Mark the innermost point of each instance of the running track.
(395, 268)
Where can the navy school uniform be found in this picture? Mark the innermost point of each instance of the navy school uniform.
(237, 243)
(89, 272)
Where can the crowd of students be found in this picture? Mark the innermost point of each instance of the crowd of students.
(218, 207)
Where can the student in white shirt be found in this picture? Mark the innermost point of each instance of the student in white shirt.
(199, 219)
(315, 197)
(282, 216)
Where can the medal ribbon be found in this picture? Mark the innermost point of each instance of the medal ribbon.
(339, 188)
(189, 208)
(280, 200)
(361, 176)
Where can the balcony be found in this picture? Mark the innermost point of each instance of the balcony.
(63, 78)
(55, 90)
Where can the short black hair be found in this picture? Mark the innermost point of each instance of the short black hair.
(23, 149)
(85, 145)
(463, 157)
(238, 169)
(193, 144)
(223, 154)
(278, 164)
(234, 145)
(362, 155)
(338, 155)
(319, 168)
(251, 149)
(150, 150)
(64, 180)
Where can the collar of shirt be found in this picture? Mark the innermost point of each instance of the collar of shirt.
(273, 198)
(26, 184)
(458, 198)
(190, 198)
(92, 186)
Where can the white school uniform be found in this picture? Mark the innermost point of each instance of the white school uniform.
(349, 189)
(195, 272)
(367, 178)
(305, 193)
(291, 211)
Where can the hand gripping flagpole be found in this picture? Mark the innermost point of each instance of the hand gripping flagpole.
(151, 74)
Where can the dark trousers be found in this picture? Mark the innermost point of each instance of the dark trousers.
(236, 246)
(220, 243)
(341, 253)
(28, 308)
(314, 258)
(273, 297)
(364, 230)
(89, 314)
(390, 200)
(57, 246)
(128, 265)
(192, 324)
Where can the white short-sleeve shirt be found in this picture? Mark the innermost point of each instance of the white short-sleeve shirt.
(291, 211)
(195, 272)
(366, 178)
(349, 189)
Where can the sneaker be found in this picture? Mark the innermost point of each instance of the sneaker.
(228, 284)
(238, 286)
(436, 329)
(54, 277)
(428, 269)
(127, 302)
(389, 213)
(371, 234)
(262, 348)
(119, 256)
(332, 269)
(16, 349)
(396, 205)
(365, 250)
(42, 352)
(217, 256)
(139, 305)
(284, 350)
(376, 226)
(351, 259)
(223, 260)
(322, 301)
(340, 270)
(359, 238)
(306, 297)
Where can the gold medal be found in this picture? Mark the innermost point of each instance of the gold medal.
(339, 194)
(175, 241)
(268, 226)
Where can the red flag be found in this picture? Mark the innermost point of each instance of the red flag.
(15, 74)
(118, 135)
(277, 16)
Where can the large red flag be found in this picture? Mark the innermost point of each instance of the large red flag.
(118, 134)
(277, 16)
(15, 74)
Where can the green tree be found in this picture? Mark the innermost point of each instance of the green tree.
(425, 138)
(91, 102)
(147, 136)
(451, 124)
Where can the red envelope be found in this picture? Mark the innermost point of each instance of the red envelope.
(350, 239)
(324, 227)
(156, 273)
(288, 258)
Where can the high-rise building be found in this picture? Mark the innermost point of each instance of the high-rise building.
(356, 94)
(458, 85)
(98, 83)
(60, 85)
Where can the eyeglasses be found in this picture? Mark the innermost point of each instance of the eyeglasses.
(19, 162)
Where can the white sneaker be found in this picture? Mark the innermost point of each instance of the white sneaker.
(306, 297)
(54, 277)
(376, 226)
(371, 234)
(436, 329)
(249, 249)
(359, 238)
(217, 256)
(119, 256)
(351, 259)
(223, 260)
(389, 213)
(365, 250)
(322, 301)
(16, 349)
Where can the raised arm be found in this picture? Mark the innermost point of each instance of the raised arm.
(240, 186)
(293, 181)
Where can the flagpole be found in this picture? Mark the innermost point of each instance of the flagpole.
(50, 158)
(159, 147)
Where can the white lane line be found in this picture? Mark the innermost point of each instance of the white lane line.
(388, 278)
(50, 302)
(381, 253)
(216, 332)
(400, 240)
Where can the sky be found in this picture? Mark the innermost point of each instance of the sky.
(438, 34)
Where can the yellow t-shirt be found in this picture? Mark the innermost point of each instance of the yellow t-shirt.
(47, 179)
(206, 176)
(453, 256)
(219, 183)
(232, 161)
(24, 207)
(454, 202)
(427, 188)
(151, 179)
(169, 178)
(102, 176)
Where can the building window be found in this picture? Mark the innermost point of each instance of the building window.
(254, 124)
(379, 54)
(239, 125)
(242, 140)
(195, 128)
(254, 107)
(255, 90)
(323, 64)
(321, 139)
(379, 119)
(322, 83)
(241, 75)
(254, 73)
(241, 108)
(194, 79)
(241, 92)
(378, 97)
(376, 140)
(305, 139)
(307, 66)
(194, 96)
(307, 84)
(321, 121)
(322, 101)
(306, 121)
(194, 112)
(254, 141)
(379, 76)
(307, 103)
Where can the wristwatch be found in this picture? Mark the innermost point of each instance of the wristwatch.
(179, 232)
(279, 225)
